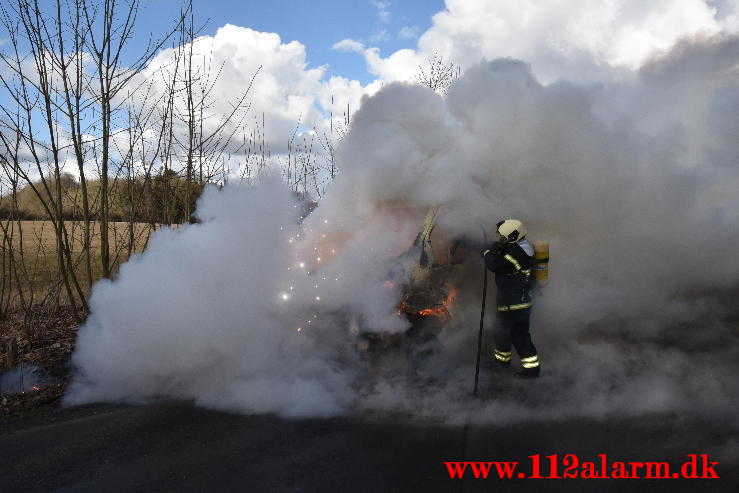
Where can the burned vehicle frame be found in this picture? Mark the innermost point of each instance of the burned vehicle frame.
(427, 297)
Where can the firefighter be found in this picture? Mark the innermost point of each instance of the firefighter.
(511, 259)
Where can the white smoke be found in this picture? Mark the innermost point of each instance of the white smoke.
(199, 316)
(633, 185)
(630, 214)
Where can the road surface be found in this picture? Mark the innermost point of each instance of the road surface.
(175, 446)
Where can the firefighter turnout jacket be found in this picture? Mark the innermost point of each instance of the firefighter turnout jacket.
(512, 264)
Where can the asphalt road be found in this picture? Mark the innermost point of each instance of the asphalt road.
(179, 447)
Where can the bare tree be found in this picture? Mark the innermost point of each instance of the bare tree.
(109, 28)
(209, 135)
(35, 93)
(329, 141)
(58, 108)
(75, 97)
(438, 74)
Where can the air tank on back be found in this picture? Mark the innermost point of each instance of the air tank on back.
(541, 262)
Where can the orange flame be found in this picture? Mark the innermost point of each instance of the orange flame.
(442, 312)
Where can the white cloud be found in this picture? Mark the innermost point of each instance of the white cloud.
(285, 90)
(581, 38)
(408, 32)
(400, 65)
(383, 10)
(344, 92)
(349, 45)
(379, 36)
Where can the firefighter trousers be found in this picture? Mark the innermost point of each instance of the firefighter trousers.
(512, 327)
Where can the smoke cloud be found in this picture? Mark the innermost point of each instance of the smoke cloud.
(633, 184)
(198, 316)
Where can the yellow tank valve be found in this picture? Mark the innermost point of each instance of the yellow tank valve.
(541, 262)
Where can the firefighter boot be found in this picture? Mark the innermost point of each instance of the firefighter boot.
(528, 372)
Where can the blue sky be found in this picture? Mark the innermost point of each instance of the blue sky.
(318, 25)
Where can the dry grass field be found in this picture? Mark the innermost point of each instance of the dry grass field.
(35, 253)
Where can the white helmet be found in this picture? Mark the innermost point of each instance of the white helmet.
(513, 229)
